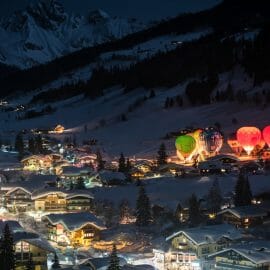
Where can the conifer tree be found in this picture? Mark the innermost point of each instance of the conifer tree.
(122, 164)
(31, 145)
(128, 166)
(114, 260)
(214, 197)
(124, 211)
(194, 211)
(179, 212)
(7, 254)
(19, 145)
(243, 195)
(100, 162)
(143, 211)
(39, 144)
(162, 155)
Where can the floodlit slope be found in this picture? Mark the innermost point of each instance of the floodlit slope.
(147, 125)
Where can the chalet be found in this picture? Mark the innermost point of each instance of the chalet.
(204, 240)
(28, 244)
(110, 178)
(86, 160)
(41, 162)
(18, 199)
(17, 196)
(72, 174)
(246, 256)
(57, 200)
(244, 216)
(73, 229)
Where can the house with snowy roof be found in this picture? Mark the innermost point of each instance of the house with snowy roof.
(18, 195)
(28, 244)
(61, 200)
(204, 240)
(246, 256)
(107, 177)
(244, 216)
(73, 229)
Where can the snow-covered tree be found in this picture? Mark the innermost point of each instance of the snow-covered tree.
(243, 195)
(122, 163)
(7, 254)
(194, 210)
(214, 197)
(162, 155)
(143, 211)
(114, 260)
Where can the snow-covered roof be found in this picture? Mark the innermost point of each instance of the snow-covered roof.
(40, 243)
(138, 267)
(103, 263)
(31, 184)
(209, 234)
(68, 194)
(256, 256)
(19, 234)
(75, 221)
(246, 211)
(107, 176)
(14, 225)
(72, 170)
(219, 157)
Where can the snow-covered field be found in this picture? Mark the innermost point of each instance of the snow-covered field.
(145, 127)
(170, 191)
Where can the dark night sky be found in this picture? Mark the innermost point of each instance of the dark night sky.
(143, 9)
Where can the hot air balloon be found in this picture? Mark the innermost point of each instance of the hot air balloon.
(211, 141)
(196, 134)
(266, 135)
(185, 145)
(248, 138)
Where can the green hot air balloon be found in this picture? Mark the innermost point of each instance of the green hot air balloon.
(185, 144)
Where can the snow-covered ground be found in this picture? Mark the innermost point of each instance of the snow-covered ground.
(145, 127)
(40, 33)
(168, 192)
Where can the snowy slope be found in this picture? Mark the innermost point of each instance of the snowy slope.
(45, 31)
(145, 127)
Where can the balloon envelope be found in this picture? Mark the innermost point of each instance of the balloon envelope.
(196, 134)
(185, 144)
(248, 138)
(266, 135)
(211, 140)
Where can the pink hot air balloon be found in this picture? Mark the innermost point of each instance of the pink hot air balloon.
(266, 135)
(248, 138)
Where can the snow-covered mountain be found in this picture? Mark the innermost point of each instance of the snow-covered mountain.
(44, 31)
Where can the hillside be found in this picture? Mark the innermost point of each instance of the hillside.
(130, 94)
(45, 31)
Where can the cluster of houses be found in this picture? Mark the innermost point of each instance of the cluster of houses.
(233, 242)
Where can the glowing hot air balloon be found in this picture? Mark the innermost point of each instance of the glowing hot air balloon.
(248, 138)
(185, 145)
(266, 135)
(211, 141)
(196, 134)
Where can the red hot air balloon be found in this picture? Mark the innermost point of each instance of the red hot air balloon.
(248, 137)
(266, 135)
